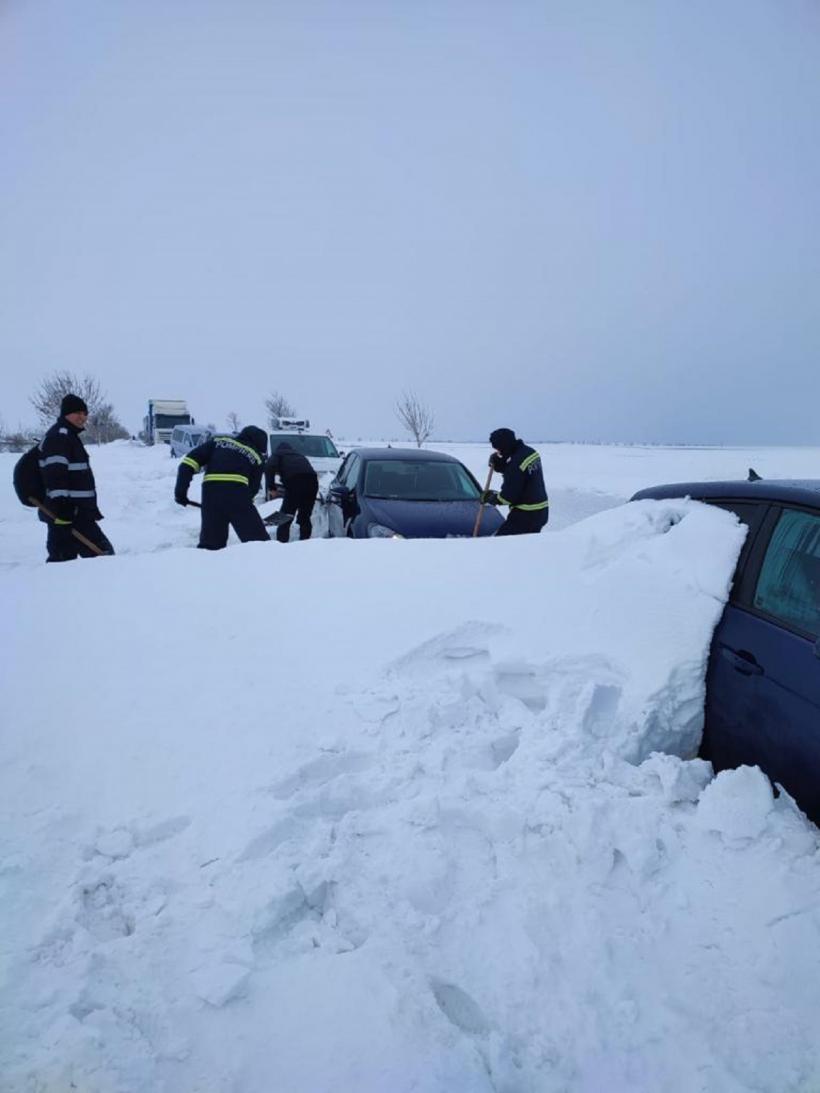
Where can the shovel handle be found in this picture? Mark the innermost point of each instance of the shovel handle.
(77, 534)
(481, 507)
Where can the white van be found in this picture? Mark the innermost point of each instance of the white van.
(186, 437)
(318, 448)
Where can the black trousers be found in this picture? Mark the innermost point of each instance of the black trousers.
(524, 523)
(224, 505)
(62, 546)
(300, 497)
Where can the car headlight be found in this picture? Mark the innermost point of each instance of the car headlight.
(379, 531)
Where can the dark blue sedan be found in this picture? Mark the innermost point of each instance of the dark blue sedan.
(405, 493)
(763, 682)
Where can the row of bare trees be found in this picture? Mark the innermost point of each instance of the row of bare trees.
(413, 413)
(102, 426)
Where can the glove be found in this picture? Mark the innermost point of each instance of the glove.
(181, 499)
(489, 497)
(497, 462)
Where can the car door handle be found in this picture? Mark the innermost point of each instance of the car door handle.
(742, 661)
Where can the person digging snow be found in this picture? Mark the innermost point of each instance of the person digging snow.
(233, 473)
(523, 489)
(299, 485)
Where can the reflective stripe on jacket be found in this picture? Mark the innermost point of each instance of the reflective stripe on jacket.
(523, 486)
(224, 460)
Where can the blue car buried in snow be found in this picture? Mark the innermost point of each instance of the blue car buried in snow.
(405, 493)
(763, 681)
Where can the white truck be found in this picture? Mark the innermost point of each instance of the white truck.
(317, 447)
(162, 416)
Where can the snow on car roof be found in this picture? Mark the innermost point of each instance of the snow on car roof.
(416, 454)
(797, 491)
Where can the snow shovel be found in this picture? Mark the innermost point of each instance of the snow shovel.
(77, 534)
(276, 519)
(482, 506)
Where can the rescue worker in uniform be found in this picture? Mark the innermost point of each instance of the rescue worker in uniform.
(71, 494)
(233, 472)
(299, 484)
(523, 488)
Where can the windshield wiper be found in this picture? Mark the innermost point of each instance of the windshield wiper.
(431, 500)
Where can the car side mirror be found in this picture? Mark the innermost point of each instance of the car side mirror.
(339, 493)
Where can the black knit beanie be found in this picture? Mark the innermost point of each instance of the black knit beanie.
(503, 440)
(255, 437)
(73, 404)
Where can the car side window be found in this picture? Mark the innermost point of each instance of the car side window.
(788, 587)
(349, 471)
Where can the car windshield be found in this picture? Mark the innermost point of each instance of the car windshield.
(416, 480)
(168, 421)
(307, 444)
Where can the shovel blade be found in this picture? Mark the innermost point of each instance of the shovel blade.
(276, 519)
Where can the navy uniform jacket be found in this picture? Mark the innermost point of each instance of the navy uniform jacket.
(226, 461)
(67, 474)
(523, 486)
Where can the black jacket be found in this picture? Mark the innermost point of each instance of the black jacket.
(288, 464)
(226, 461)
(523, 486)
(67, 474)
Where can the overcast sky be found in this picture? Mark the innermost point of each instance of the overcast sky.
(584, 220)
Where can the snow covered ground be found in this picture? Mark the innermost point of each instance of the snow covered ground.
(136, 486)
(392, 816)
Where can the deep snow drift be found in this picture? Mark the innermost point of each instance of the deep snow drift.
(392, 816)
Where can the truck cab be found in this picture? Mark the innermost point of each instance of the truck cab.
(162, 417)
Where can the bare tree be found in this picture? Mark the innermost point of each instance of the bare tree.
(17, 440)
(277, 406)
(233, 421)
(102, 425)
(48, 396)
(415, 416)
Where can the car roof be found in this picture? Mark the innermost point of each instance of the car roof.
(794, 490)
(417, 455)
(285, 433)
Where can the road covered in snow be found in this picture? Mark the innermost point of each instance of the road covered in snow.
(384, 815)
